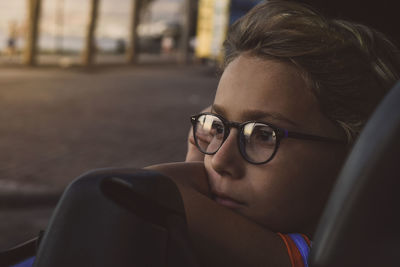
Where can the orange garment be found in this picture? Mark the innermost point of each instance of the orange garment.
(294, 254)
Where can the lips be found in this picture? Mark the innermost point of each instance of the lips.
(227, 201)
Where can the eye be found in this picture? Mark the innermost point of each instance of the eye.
(264, 135)
(217, 128)
(260, 135)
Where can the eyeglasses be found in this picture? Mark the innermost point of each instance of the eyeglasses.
(258, 142)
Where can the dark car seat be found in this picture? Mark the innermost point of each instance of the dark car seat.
(118, 217)
(361, 222)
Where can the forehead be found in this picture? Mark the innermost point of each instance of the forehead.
(251, 85)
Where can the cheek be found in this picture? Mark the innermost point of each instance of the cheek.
(271, 192)
(295, 188)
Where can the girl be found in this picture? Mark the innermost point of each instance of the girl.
(295, 92)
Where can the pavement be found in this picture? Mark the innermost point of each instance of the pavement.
(56, 124)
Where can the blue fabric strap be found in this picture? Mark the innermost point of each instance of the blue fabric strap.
(25, 263)
(302, 246)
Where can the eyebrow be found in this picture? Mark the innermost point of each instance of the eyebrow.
(255, 115)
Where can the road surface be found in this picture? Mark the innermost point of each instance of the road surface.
(56, 124)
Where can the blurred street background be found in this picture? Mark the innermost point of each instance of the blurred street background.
(86, 85)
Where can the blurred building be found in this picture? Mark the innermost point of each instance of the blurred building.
(63, 23)
(214, 18)
(158, 36)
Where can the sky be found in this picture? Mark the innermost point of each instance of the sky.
(113, 19)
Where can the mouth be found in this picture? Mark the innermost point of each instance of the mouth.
(227, 201)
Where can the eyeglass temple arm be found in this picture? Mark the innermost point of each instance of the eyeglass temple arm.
(312, 137)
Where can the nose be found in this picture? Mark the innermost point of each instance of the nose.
(228, 160)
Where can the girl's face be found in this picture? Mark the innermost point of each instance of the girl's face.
(288, 193)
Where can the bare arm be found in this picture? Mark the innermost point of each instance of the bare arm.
(221, 237)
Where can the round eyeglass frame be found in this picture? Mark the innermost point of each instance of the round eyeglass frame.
(280, 134)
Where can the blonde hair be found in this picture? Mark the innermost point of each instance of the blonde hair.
(348, 66)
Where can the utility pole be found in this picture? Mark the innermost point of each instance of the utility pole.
(133, 36)
(88, 52)
(32, 33)
(184, 56)
(59, 24)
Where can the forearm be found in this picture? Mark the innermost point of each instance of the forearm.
(220, 236)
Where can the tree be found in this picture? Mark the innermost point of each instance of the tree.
(32, 32)
(90, 47)
(138, 8)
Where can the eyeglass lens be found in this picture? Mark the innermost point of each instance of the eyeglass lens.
(257, 140)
